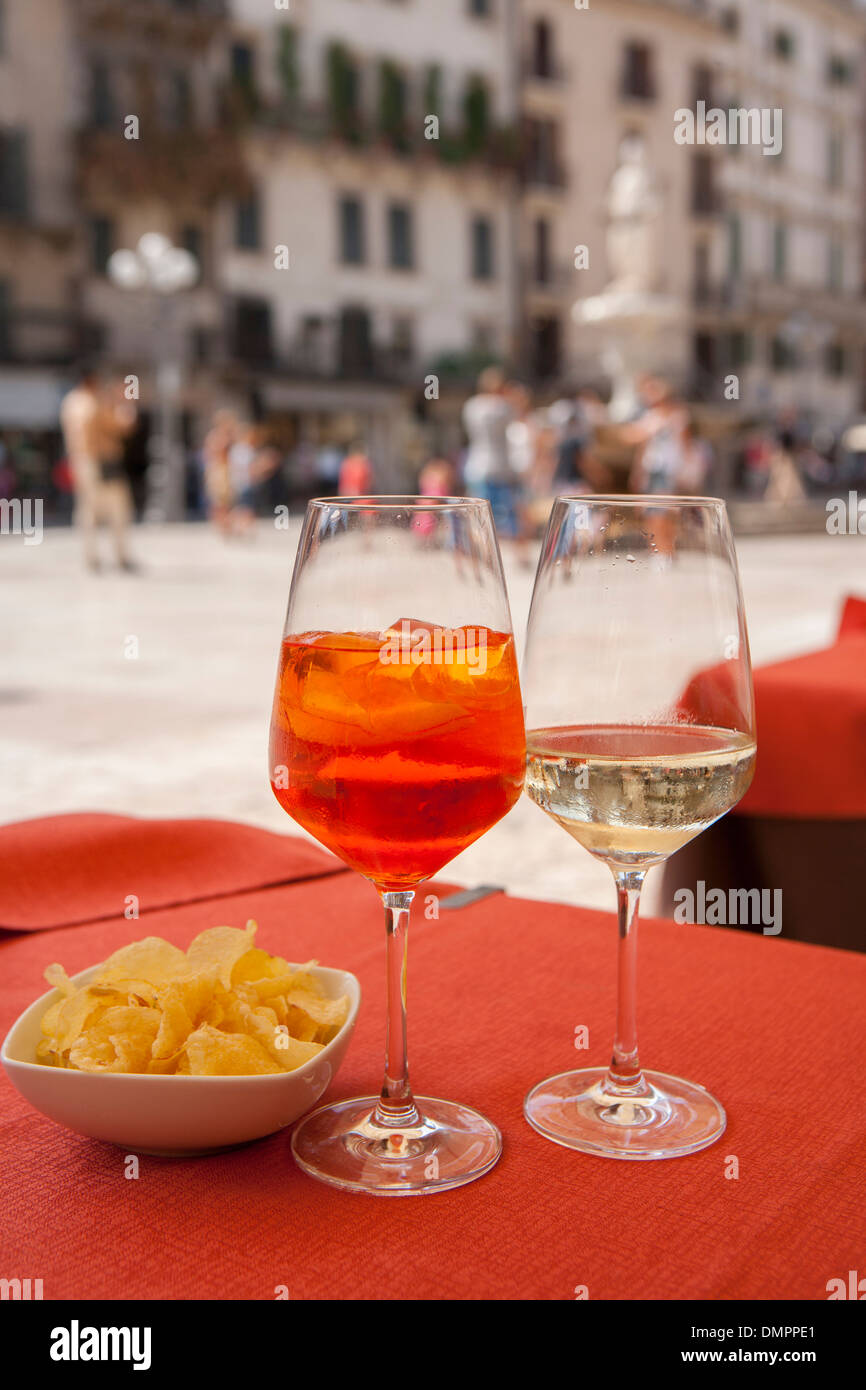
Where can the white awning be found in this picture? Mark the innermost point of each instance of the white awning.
(31, 399)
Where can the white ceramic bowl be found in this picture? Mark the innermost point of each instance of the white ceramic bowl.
(173, 1115)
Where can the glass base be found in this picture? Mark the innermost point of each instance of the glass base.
(342, 1145)
(664, 1119)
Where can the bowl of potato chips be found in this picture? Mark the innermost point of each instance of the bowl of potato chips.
(178, 1052)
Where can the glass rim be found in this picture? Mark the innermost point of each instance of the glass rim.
(639, 499)
(397, 502)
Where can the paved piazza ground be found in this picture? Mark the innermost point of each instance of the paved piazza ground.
(182, 729)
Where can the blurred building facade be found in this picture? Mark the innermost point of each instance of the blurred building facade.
(764, 252)
(383, 195)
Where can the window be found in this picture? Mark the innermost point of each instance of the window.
(542, 152)
(192, 240)
(101, 243)
(252, 339)
(701, 287)
(243, 70)
(735, 246)
(542, 62)
(14, 185)
(783, 356)
(730, 19)
(403, 339)
(287, 62)
(541, 251)
(840, 71)
(637, 72)
(392, 103)
(181, 100)
(355, 352)
(784, 45)
(343, 86)
(705, 354)
(200, 345)
(704, 201)
(739, 348)
(734, 104)
(835, 159)
(5, 299)
(482, 248)
(248, 232)
(243, 77)
(101, 99)
(836, 360)
(400, 250)
(835, 266)
(352, 238)
(476, 115)
(702, 85)
(780, 251)
(480, 8)
(545, 348)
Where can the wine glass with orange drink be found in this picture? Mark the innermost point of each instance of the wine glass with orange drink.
(397, 739)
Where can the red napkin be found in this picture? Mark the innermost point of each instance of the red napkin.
(61, 870)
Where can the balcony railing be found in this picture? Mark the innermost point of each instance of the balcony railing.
(550, 70)
(544, 173)
(550, 278)
(324, 359)
(763, 295)
(181, 21)
(202, 163)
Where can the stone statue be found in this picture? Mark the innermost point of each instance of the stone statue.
(633, 231)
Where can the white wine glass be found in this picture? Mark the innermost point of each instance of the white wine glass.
(640, 734)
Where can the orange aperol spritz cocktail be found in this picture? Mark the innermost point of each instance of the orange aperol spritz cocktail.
(397, 755)
(396, 742)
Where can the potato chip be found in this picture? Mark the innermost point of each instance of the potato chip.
(121, 1040)
(219, 949)
(175, 1027)
(212, 1053)
(57, 976)
(223, 1007)
(152, 959)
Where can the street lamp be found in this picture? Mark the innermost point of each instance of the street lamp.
(162, 270)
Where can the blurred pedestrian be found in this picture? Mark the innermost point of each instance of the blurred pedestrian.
(697, 461)
(487, 472)
(436, 479)
(243, 480)
(328, 460)
(95, 421)
(659, 434)
(217, 479)
(784, 484)
(356, 475)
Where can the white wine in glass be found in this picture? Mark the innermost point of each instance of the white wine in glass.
(640, 734)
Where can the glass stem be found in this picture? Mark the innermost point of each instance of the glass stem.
(396, 1108)
(624, 1075)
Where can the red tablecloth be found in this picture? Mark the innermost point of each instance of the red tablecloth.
(495, 993)
(811, 725)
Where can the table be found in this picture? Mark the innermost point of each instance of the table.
(801, 827)
(496, 991)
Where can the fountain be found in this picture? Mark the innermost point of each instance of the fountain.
(632, 327)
